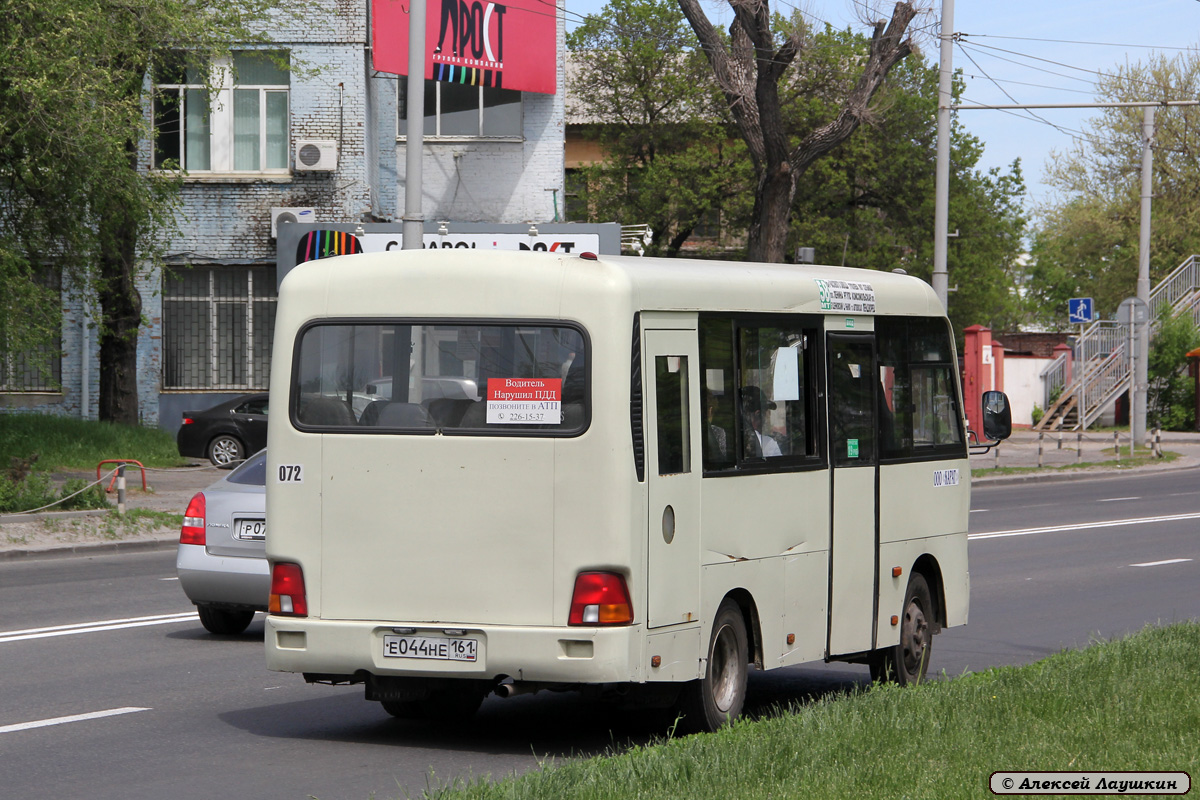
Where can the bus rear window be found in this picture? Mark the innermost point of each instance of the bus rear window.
(412, 377)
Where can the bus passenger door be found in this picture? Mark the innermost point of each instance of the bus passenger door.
(671, 369)
(851, 390)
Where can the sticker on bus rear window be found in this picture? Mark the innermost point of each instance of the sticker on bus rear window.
(524, 401)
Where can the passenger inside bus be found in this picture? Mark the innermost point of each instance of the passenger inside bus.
(756, 444)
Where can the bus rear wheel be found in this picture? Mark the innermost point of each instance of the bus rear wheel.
(907, 662)
(718, 697)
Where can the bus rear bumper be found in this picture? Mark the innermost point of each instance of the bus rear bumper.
(543, 654)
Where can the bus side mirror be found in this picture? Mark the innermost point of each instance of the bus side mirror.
(997, 416)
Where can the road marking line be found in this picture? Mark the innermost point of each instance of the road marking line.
(93, 627)
(1162, 563)
(1117, 499)
(1082, 526)
(42, 723)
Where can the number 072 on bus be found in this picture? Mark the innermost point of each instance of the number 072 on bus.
(507, 472)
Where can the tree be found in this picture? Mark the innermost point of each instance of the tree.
(1171, 401)
(869, 202)
(1086, 243)
(753, 68)
(651, 104)
(78, 195)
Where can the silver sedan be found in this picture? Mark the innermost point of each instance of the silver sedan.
(222, 559)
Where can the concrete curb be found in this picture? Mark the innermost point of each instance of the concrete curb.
(90, 549)
(1093, 473)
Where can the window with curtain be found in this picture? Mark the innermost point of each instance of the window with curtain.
(240, 126)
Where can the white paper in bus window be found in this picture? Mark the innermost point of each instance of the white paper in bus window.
(524, 401)
(787, 375)
(714, 380)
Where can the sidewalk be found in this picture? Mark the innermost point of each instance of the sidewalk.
(1058, 457)
(68, 533)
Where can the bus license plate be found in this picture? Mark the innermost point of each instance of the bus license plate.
(435, 647)
(253, 529)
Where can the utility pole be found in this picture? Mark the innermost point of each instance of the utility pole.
(1141, 375)
(413, 229)
(941, 178)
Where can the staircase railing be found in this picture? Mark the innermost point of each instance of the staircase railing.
(1101, 365)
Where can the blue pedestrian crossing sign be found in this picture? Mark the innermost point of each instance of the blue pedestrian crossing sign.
(1079, 309)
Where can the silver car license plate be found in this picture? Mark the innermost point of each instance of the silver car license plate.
(441, 648)
(251, 529)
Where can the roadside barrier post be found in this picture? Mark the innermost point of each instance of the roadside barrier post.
(121, 489)
(1117, 446)
(1041, 437)
(1158, 442)
(1058, 424)
(996, 453)
(1079, 447)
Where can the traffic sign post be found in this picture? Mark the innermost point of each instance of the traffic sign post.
(1080, 310)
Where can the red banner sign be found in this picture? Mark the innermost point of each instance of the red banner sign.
(474, 42)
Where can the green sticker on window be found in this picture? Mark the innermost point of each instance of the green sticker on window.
(849, 322)
(852, 448)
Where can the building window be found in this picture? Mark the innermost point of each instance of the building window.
(37, 369)
(243, 129)
(218, 324)
(457, 111)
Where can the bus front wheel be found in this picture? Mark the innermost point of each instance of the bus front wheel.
(718, 697)
(907, 662)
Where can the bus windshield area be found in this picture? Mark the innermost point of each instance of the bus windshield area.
(492, 378)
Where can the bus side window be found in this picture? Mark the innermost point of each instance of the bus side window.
(671, 388)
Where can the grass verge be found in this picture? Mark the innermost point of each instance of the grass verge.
(1122, 705)
(61, 443)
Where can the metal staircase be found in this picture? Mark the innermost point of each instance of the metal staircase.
(1101, 364)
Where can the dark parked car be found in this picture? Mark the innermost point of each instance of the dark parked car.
(222, 557)
(227, 432)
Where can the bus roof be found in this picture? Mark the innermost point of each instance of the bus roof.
(462, 282)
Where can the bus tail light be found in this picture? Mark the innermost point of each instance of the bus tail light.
(287, 591)
(192, 531)
(600, 598)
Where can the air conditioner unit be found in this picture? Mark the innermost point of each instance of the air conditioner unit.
(316, 155)
(279, 214)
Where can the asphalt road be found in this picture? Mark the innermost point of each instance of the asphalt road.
(147, 705)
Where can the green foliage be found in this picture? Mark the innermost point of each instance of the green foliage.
(1086, 243)
(35, 490)
(869, 203)
(78, 195)
(1171, 400)
(649, 101)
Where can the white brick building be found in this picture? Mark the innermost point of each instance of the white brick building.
(209, 315)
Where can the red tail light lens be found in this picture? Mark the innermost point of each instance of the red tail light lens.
(193, 522)
(187, 421)
(287, 591)
(600, 598)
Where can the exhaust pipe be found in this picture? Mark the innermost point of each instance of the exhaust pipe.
(516, 688)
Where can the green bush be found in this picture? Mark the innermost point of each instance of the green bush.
(25, 493)
(1171, 401)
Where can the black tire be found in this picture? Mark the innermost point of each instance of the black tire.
(224, 622)
(225, 449)
(717, 698)
(907, 662)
